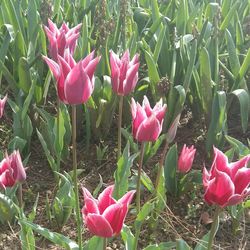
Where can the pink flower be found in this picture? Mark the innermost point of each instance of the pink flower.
(186, 159)
(75, 81)
(105, 216)
(2, 105)
(226, 184)
(124, 73)
(62, 38)
(147, 122)
(11, 170)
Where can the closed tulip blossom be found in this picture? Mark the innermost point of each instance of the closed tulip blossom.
(226, 184)
(62, 38)
(104, 217)
(75, 81)
(2, 105)
(186, 158)
(11, 170)
(147, 122)
(124, 73)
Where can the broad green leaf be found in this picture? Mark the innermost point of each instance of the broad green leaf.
(95, 243)
(182, 245)
(24, 75)
(162, 246)
(54, 237)
(8, 210)
(146, 181)
(127, 237)
(143, 214)
(217, 126)
(240, 148)
(243, 98)
(17, 143)
(170, 167)
(122, 172)
(202, 244)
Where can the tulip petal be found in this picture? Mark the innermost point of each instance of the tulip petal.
(140, 117)
(98, 225)
(146, 106)
(149, 130)
(220, 163)
(234, 200)
(16, 164)
(90, 69)
(242, 180)
(2, 105)
(90, 206)
(219, 189)
(78, 86)
(105, 198)
(54, 67)
(127, 198)
(115, 215)
(235, 166)
(87, 59)
(205, 177)
(131, 79)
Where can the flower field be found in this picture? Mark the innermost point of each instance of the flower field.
(124, 124)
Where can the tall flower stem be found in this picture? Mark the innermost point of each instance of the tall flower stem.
(214, 228)
(161, 163)
(105, 243)
(58, 154)
(78, 215)
(20, 195)
(138, 187)
(119, 127)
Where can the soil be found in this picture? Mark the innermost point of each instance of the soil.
(187, 217)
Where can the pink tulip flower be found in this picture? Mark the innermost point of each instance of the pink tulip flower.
(124, 73)
(226, 184)
(11, 170)
(62, 38)
(186, 159)
(2, 105)
(147, 122)
(75, 81)
(104, 217)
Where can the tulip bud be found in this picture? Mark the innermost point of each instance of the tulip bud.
(62, 38)
(124, 73)
(147, 122)
(226, 184)
(11, 170)
(104, 217)
(75, 81)
(2, 105)
(186, 159)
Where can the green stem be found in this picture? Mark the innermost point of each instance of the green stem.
(78, 215)
(138, 187)
(20, 195)
(214, 228)
(58, 154)
(137, 234)
(119, 127)
(161, 163)
(105, 243)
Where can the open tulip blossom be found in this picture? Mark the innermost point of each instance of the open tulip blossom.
(61, 38)
(11, 170)
(105, 216)
(124, 73)
(186, 159)
(226, 184)
(75, 81)
(147, 122)
(2, 105)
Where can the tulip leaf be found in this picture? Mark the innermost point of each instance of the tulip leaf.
(170, 167)
(54, 237)
(146, 181)
(24, 75)
(240, 148)
(244, 101)
(182, 245)
(162, 246)
(217, 126)
(127, 237)
(130, 139)
(94, 243)
(123, 172)
(8, 210)
(143, 214)
(202, 244)
(17, 143)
